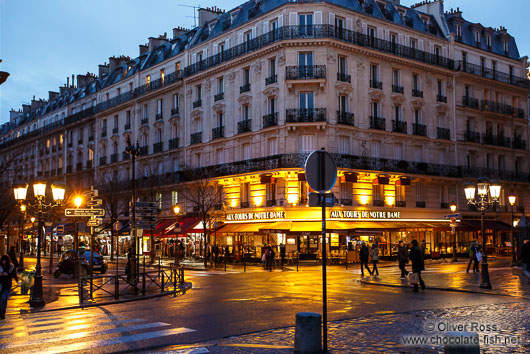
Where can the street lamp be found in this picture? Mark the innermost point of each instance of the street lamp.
(176, 210)
(39, 203)
(452, 207)
(512, 198)
(488, 194)
(134, 151)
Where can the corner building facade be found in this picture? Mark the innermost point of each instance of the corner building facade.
(409, 101)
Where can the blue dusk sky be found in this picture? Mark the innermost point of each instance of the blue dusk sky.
(44, 42)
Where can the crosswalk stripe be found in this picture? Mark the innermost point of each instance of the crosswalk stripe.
(113, 341)
(61, 319)
(78, 335)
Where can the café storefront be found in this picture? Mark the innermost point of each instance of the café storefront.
(299, 228)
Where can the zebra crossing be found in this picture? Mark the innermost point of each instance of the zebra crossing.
(79, 331)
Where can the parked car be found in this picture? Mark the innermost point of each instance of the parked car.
(68, 261)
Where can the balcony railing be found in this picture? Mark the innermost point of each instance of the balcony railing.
(144, 121)
(114, 158)
(305, 72)
(127, 127)
(158, 147)
(173, 143)
(377, 123)
(398, 89)
(401, 204)
(114, 131)
(343, 77)
(345, 118)
(125, 156)
(495, 107)
(518, 143)
(79, 166)
(104, 133)
(417, 93)
(174, 111)
(496, 140)
(244, 126)
(103, 160)
(376, 84)
(399, 126)
(89, 164)
(271, 79)
(519, 113)
(244, 88)
(443, 133)
(196, 138)
(270, 120)
(144, 150)
(419, 129)
(305, 115)
(441, 98)
(470, 102)
(420, 204)
(378, 203)
(69, 169)
(158, 116)
(197, 104)
(218, 132)
(471, 136)
(219, 96)
(491, 74)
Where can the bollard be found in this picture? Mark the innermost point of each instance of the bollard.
(308, 334)
(244, 265)
(297, 259)
(461, 343)
(116, 288)
(162, 283)
(346, 259)
(80, 291)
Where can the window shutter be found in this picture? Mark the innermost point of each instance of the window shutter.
(349, 24)
(240, 38)
(365, 28)
(318, 17)
(401, 39)
(332, 19)
(193, 58)
(254, 32)
(265, 27)
(280, 21)
(380, 33)
(420, 45)
(293, 18)
(431, 47)
(215, 49)
(444, 51)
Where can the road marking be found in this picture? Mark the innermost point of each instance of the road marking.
(201, 350)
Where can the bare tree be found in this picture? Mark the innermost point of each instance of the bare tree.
(202, 191)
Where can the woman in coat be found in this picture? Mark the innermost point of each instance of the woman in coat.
(416, 257)
(374, 253)
(8, 272)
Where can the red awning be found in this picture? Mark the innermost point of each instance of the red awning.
(163, 227)
(187, 225)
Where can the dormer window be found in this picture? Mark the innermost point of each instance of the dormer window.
(459, 31)
(505, 45)
(488, 40)
(233, 15)
(477, 37)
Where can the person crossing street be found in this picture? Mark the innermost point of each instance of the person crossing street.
(403, 259)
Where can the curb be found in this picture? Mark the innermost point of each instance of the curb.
(183, 289)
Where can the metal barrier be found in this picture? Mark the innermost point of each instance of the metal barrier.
(114, 286)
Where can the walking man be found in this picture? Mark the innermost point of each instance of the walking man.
(403, 259)
(374, 253)
(363, 255)
(8, 272)
(282, 254)
(416, 256)
(525, 258)
(473, 257)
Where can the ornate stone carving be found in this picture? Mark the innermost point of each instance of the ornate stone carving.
(244, 99)
(207, 85)
(189, 93)
(271, 91)
(429, 80)
(257, 67)
(364, 150)
(360, 66)
(343, 88)
(417, 103)
(332, 58)
(441, 108)
(196, 113)
(449, 86)
(232, 76)
(398, 99)
(281, 57)
(376, 95)
(359, 24)
(219, 107)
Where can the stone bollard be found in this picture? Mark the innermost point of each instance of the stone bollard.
(461, 343)
(307, 336)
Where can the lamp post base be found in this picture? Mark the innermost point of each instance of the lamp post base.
(455, 258)
(485, 281)
(37, 300)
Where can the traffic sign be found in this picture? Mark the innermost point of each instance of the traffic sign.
(94, 202)
(451, 216)
(92, 193)
(320, 171)
(93, 222)
(84, 212)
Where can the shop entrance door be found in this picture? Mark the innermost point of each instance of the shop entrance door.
(308, 246)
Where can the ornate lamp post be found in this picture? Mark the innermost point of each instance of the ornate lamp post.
(512, 198)
(134, 151)
(176, 211)
(452, 207)
(41, 205)
(487, 195)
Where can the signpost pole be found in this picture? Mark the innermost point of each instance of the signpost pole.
(324, 285)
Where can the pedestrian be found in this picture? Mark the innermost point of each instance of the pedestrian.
(525, 258)
(265, 256)
(374, 253)
(59, 245)
(129, 264)
(403, 259)
(473, 257)
(7, 274)
(272, 254)
(363, 255)
(416, 256)
(13, 256)
(282, 253)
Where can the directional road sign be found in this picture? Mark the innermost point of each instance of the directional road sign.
(320, 171)
(84, 212)
(451, 216)
(94, 202)
(94, 222)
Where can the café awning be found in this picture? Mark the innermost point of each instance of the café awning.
(242, 228)
(307, 226)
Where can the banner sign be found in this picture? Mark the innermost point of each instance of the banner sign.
(364, 214)
(262, 215)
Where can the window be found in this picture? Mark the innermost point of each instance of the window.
(488, 40)
(494, 66)
(220, 119)
(175, 165)
(246, 152)
(273, 146)
(245, 112)
(145, 111)
(220, 85)
(417, 116)
(437, 51)
(272, 67)
(199, 58)
(342, 65)
(505, 46)
(174, 197)
(128, 118)
(271, 106)
(159, 200)
(397, 113)
(273, 26)
(159, 106)
(177, 66)
(467, 90)
(306, 100)
(306, 143)
(116, 121)
(148, 80)
(413, 44)
(162, 75)
(305, 58)
(416, 82)
(374, 72)
(246, 76)
(375, 109)
(176, 101)
(477, 37)
(400, 195)
(344, 145)
(198, 92)
(395, 77)
(440, 88)
(305, 20)
(371, 35)
(245, 195)
(158, 135)
(377, 193)
(198, 159)
(342, 105)
(419, 193)
(459, 31)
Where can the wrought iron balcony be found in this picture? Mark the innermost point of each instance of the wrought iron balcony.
(174, 111)
(496, 140)
(398, 89)
(401, 204)
(115, 131)
(219, 96)
(399, 126)
(144, 121)
(417, 93)
(196, 138)
(343, 77)
(173, 143)
(519, 143)
(443, 133)
(420, 204)
(89, 164)
(127, 127)
(376, 84)
(270, 120)
(158, 147)
(419, 129)
(378, 203)
(495, 107)
(470, 102)
(218, 132)
(114, 158)
(441, 98)
(79, 166)
(472, 137)
(125, 156)
(158, 116)
(271, 79)
(244, 88)
(244, 126)
(103, 160)
(345, 118)
(377, 123)
(197, 103)
(104, 133)
(144, 150)
(519, 113)
(491, 74)
(305, 72)
(305, 115)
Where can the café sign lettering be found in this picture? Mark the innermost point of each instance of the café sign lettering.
(365, 214)
(262, 215)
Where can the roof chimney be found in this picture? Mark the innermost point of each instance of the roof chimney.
(103, 70)
(143, 48)
(115, 62)
(179, 31)
(52, 95)
(26, 108)
(208, 14)
(155, 42)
